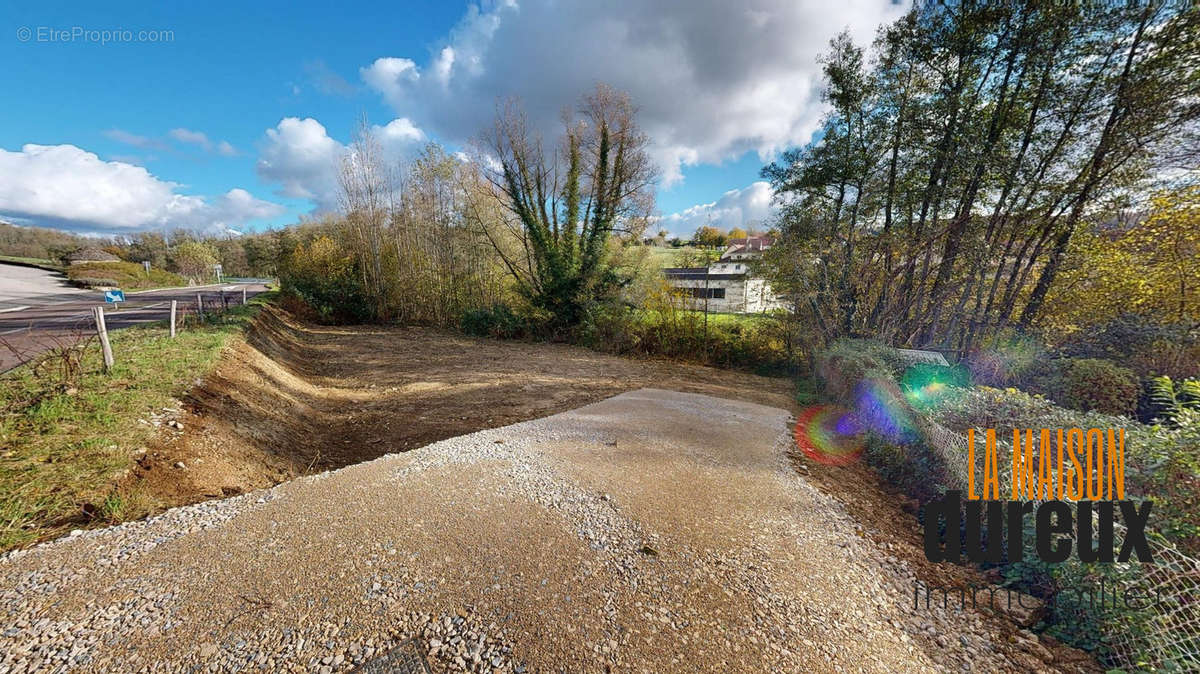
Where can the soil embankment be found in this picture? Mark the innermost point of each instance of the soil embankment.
(297, 398)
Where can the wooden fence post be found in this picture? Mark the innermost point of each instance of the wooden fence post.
(174, 304)
(224, 300)
(102, 331)
(199, 306)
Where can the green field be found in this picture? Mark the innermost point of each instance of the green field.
(664, 257)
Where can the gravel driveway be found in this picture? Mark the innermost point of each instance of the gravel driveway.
(653, 531)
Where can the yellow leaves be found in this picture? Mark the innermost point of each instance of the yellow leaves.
(1151, 268)
(321, 257)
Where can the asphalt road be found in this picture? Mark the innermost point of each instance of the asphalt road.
(39, 311)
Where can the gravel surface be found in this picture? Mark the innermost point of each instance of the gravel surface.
(653, 531)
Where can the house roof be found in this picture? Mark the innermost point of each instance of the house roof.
(91, 254)
(748, 244)
(699, 274)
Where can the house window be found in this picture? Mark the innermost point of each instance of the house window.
(709, 293)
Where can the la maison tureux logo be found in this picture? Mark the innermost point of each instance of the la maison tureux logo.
(1072, 484)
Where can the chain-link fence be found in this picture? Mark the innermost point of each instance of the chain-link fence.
(1169, 633)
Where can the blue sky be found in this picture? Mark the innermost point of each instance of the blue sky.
(230, 121)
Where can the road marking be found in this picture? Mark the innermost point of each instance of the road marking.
(22, 308)
(9, 332)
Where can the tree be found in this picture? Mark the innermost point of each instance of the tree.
(193, 259)
(708, 236)
(737, 233)
(567, 202)
(149, 247)
(962, 155)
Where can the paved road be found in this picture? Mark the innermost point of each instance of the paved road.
(39, 311)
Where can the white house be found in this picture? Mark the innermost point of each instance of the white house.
(727, 286)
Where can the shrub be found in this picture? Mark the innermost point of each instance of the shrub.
(498, 321)
(323, 276)
(1093, 384)
(1163, 398)
(1143, 343)
(95, 282)
(124, 275)
(1006, 362)
(924, 383)
(848, 361)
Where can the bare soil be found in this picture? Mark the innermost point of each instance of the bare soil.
(296, 398)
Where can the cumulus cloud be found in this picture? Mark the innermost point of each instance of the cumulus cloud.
(66, 186)
(303, 159)
(300, 156)
(749, 207)
(713, 79)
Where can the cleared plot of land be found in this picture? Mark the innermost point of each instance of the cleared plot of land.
(654, 531)
(297, 398)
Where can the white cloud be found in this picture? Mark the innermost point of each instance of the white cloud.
(303, 159)
(748, 207)
(122, 136)
(191, 137)
(65, 186)
(713, 79)
(389, 75)
(201, 140)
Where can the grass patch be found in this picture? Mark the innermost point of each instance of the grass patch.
(69, 439)
(48, 265)
(124, 275)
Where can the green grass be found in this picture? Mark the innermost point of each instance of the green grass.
(725, 320)
(49, 265)
(66, 443)
(124, 275)
(666, 256)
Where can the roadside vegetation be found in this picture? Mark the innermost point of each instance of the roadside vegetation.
(40, 263)
(70, 432)
(123, 275)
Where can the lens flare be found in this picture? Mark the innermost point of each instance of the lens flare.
(879, 408)
(829, 435)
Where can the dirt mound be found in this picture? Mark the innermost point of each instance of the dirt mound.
(296, 398)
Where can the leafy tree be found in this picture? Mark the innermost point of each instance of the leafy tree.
(193, 259)
(567, 203)
(965, 154)
(708, 236)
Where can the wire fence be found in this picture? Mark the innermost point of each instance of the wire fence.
(1168, 636)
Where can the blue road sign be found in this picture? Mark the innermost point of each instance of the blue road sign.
(111, 296)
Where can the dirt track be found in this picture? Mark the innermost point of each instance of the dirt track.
(654, 531)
